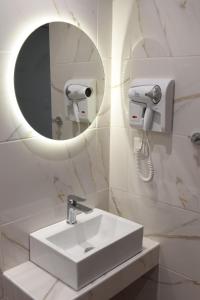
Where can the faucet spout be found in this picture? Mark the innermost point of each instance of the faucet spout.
(73, 205)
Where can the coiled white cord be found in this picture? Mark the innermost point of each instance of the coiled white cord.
(76, 115)
(144, 165)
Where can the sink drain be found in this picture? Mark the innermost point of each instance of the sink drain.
(88, 249)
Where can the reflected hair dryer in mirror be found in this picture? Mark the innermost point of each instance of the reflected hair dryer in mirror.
(78, 92)
(80, 99)
(52, 55)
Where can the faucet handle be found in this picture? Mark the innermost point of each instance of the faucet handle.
(73, 199)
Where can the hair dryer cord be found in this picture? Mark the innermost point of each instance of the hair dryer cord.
(76, 115)
(144, 165)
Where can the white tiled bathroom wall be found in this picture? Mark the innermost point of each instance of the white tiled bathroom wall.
(151, 38)
(158, 39)
(37, 173)
(72, 55)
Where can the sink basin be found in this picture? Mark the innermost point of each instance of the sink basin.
(78, 254)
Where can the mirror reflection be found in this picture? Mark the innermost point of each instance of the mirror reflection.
(59, 80)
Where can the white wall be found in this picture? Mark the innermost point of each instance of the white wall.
(159, 38)
(150, 38)
(36, 174)
(73, 55)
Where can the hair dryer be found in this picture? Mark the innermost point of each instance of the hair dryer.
(75, 93)
(149, 96)
(144, 98)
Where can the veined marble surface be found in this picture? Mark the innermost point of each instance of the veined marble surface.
(30, 282)
(158, 39)
(150, 38)
(37, 173)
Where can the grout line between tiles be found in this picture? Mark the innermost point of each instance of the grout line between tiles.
(157, 201)
(15, 140)
(179, 273)
(43, 211)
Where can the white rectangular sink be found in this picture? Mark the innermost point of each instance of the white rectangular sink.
(78, 254)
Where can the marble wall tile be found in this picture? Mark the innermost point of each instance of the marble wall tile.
(157, 28)
(43, 175)
(161, 284)
(103, 158)
(27, 184)
(159, 39)
(15, 235)
(154, 39)
(80, 13)
(90, 161)
(175, 181)
(21, 15)
(177, 230)
(22, 18)
(12, 252)
(183, 110)
(119, 112)
(1, 286)
(64, 72)
(126, 29)
(170, 284)
(104, 27)
(68, 44)
(119, 104)
(179, 19)
(84, 159)
(141, 36)
(119, 158)
(98, 200)
(103, 115)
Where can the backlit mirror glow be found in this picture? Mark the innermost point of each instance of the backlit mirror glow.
(59, 80)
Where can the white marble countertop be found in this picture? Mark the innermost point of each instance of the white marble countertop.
(28, 281)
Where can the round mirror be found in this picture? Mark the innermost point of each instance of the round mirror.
(59, 80)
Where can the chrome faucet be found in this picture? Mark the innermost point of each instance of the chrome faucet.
(73, 205)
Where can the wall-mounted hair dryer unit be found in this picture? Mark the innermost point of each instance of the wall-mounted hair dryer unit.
(80, 100)
(150, 109)
(151, 104)
(148, 96)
